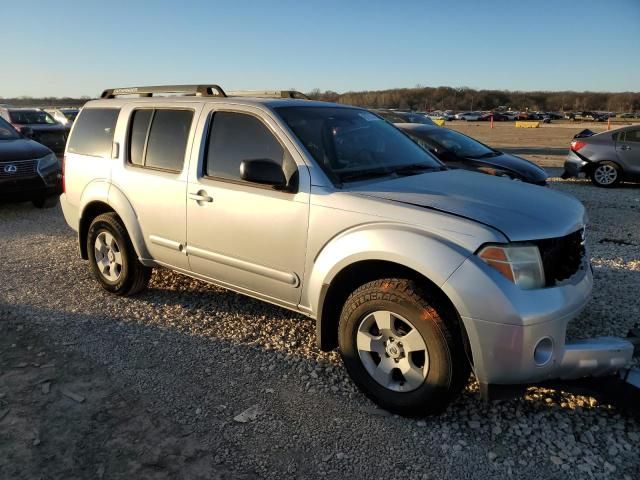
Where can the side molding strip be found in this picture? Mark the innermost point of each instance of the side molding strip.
(163, 242)
(278, 275)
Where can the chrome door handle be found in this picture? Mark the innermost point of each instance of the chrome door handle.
(201, 196)
(625, 147)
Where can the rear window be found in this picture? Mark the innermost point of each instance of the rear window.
(93, 132)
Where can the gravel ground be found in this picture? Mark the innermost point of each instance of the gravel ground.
(94, 386)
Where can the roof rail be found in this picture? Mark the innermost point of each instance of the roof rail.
(197, 90)
(267, 94)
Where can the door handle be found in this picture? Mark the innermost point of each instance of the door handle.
(201, 196)
(625, 147)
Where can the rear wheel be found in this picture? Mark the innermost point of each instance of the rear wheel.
(606, 174)
(401, 347)
(112, 258)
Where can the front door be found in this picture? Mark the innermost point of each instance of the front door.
(243, 235)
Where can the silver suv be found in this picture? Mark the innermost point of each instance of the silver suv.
(417, 273)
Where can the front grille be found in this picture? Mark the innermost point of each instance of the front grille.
(20, 169)
(562, 257)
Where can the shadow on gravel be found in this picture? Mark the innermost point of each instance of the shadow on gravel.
(160, 401)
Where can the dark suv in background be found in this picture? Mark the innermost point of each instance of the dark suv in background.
(29, 171)
(39, 125)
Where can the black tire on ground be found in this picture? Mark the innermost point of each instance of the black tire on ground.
(602, 172)
(448, 367)
(133, 276)
(46, 202)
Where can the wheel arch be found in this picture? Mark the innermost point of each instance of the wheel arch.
(118, 204)
(335, 293)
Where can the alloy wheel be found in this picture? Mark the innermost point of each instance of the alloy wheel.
(392, 351)
(605, 174)
(108, 256)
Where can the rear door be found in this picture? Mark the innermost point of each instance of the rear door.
(153, 176)
(247, 236)
(628, 150)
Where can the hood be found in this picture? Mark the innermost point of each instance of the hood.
(526, 169)
(21, 149)
(520, 211)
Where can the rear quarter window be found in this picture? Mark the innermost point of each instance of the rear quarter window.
(93, 132)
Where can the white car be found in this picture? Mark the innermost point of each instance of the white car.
(64, 116)
(469, 116)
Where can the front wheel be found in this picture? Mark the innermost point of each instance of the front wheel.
(112, 258)
(401, 347)
(606, 174)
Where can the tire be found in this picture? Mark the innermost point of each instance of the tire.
(435, 373)
(606, 174)
(46, 202)
(119, 272)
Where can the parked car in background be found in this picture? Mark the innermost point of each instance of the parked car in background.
(497, 117)
(29, 171)
(607, 158)
(64, 116)
(39, 125)
(460, 151)
(628, 115)
(395, 116)
(469, 116)
(510, 115)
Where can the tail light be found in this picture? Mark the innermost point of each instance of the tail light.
(577, 145)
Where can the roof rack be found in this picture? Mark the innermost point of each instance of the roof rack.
(268, 94)
(197, 90)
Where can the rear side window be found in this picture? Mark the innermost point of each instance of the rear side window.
(632, 136)
(158, 138)
(93, 132)
(140, 121)
(236, 137)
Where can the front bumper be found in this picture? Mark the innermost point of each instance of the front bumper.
(505, 324)
(574, 165)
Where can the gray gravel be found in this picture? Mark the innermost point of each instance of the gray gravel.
(202, 358)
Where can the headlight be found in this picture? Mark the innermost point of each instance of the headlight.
(47, 161)
(521, 264)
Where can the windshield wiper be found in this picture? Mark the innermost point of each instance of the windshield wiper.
(363, 174)
(414, 169)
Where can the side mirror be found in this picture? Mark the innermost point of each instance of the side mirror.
(26, 132)
(264, 172)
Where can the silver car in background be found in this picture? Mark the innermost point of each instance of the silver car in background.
(607, 158)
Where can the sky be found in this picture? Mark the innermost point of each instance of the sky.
(80, 47)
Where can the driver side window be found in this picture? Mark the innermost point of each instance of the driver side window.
(235, 137)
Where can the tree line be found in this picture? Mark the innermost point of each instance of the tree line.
(436, 98)
(449, 98)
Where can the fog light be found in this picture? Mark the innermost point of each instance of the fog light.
(543, 351)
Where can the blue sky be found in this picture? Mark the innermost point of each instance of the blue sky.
(74, 47)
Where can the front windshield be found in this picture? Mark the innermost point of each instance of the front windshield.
(7, 132)
(352, 144)
(458, 143)
(31, 117)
